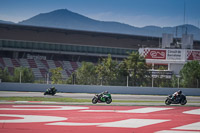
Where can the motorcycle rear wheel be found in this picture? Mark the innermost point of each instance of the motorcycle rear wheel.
(94, 100)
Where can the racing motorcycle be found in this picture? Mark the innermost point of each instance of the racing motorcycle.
(102, 99)
(50, 92)
(181, 99)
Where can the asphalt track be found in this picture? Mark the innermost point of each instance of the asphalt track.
(192, 101)
(98, 119)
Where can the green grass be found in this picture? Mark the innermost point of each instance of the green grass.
(43, 99)
(65, 100)
(70, 100)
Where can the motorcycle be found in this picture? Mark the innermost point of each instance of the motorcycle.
(178, 100)
(50, 92)
(102, 99)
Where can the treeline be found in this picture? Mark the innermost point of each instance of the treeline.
(132, 71)
(20, 74)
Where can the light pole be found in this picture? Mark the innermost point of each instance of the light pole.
(178, 80)
(129, 74)
(127, 81)
(152, 82)
(47, 77)
(20, 77)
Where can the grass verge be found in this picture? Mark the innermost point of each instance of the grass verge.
(70, 100)
(65, 100)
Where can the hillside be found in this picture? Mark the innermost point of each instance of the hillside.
(66, 19)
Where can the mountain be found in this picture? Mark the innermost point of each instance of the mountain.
(66, 19)
(6, 22)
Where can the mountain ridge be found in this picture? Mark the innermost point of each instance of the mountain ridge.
(66, 19)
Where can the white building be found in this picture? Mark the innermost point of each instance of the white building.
(171, 58)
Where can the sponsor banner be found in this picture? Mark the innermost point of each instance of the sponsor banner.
(154, 54)
(175, 54)
(193, 55)
(170, 54)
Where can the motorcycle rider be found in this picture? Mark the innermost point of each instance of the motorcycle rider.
(52, 89)
(102, 94)
(176, 94)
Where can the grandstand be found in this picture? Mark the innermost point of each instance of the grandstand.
(41, 49)
(40, 67)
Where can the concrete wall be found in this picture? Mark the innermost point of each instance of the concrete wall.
(97, 89)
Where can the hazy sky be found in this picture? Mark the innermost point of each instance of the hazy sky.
(133, 12)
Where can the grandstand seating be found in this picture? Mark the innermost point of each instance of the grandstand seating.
(15, 62)
(58, 64)
(40, 67)
(36, 72)
(45, 63)
(74, 65)
(32, 63)
(24, 63)
(67, 65)
(51, 64)
(43, 72)
(2, 64)
(8, 62)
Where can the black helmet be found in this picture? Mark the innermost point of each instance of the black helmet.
(179, 92)
(105, 92)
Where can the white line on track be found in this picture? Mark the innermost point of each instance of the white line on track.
(24, 107)
(129, 123)
(173, 131)
(194, 112)
(193, 126)
(140, 110)
(31, 118)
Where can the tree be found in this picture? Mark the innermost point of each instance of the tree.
(190, 74)
(86, 74)
(161, 80)
(107, 70)
(4, 75)
(174, 81)
(26, 75)
(56, 76)
(135, 66)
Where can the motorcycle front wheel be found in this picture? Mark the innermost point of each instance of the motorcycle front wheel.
(167, 102)
(94, 100)
(183, 102)
(108, 101)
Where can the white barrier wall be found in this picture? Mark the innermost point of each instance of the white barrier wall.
(27, 87)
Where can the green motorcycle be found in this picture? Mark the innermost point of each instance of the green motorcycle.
(102, 98)
(50, 91)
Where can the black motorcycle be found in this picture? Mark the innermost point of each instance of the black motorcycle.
(102, 99)
(181, 99)
(50, 92)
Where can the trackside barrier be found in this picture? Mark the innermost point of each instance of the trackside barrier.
(28, 87)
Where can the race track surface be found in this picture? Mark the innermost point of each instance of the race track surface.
(192, 101)
(98, 119)
(90, 96)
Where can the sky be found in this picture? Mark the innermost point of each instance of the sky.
(139, 13)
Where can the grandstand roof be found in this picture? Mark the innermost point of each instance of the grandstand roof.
(67, 36)
(77, 37)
